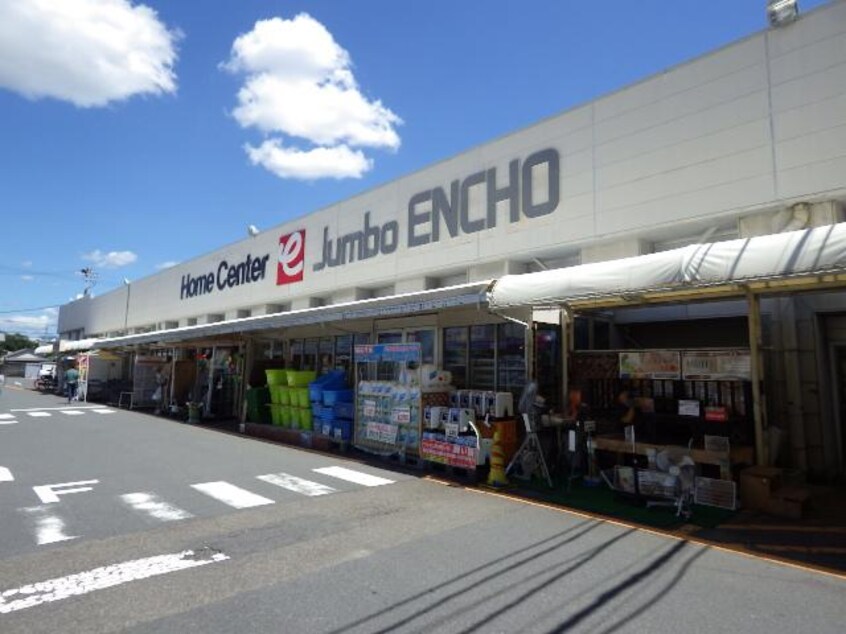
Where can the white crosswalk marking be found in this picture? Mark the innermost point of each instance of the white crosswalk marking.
(154, 506)
(6, 475)
(6, 416)
(8, 421)
(103, 411)
(364, 479)
(298, 485)
(39, 414)
(49, 528)
(72, 412)
(231, 495)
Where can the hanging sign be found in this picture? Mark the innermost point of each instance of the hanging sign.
(368, 408)
(708, 365)
(382, 432)
(656, 364)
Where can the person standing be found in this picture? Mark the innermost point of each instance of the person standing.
(71, 382)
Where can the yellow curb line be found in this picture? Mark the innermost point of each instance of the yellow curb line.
(737, 550)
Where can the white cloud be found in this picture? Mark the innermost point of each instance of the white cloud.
(87, 52)
(27, 278)
(27, 264)
(166, 265)
(110, 260)
(321, 162)
(299, 83)
(16, 323)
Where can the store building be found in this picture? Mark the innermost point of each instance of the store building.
(747, 141)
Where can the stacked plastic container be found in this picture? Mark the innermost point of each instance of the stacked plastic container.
(299, 407)
(277, 385)
(322, 415)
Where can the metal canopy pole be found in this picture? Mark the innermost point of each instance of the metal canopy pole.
(761, 457)
(566, 323)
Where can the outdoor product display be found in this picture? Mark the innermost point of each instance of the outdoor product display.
(388, 412)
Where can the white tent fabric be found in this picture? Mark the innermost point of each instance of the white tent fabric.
(805, 252)
(45, 349)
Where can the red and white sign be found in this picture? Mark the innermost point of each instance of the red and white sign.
(291, 261)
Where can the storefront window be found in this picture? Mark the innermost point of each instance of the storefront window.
(326, 350)
(310, 354)
(343, 353)
(511, 358)
(455, 355)
(483, 357)
(389, 337)
(426, 339)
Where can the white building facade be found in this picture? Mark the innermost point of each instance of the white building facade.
(745, 141)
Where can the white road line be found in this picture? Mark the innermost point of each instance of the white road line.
(103, 411)
(298, 485)
(154, 506)
(6, 416)
(39, 414)
(100, 578)
(49, 529)
(6, 475)
(365, 479)
(231, 495)
(49, 493)
(72, 412)
(8, 422)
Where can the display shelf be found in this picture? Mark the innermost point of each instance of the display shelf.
(388, 410)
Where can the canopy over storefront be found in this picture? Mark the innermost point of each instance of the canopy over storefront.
(393, 306)
(810, 259)
(45, 349)
(78, 345)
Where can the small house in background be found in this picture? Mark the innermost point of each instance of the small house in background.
(22, 363)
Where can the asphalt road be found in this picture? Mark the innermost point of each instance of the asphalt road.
(118, 521)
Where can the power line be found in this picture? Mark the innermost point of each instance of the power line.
(28, 310)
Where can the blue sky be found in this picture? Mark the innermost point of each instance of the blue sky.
(137, 134)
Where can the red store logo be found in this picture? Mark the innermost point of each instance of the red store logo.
(291, 258)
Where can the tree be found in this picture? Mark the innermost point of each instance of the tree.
(16, 341)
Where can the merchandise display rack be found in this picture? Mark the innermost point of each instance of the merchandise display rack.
(388, 412)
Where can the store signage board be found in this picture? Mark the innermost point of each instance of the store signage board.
(387, 352)
(656, 364)
(717, 366)
(381, 433)
(443, 213)
(449, 453)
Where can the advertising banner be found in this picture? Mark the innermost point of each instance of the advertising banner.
(656, 364)
(449, 453)
(723, 365)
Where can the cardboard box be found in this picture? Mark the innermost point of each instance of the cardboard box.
(788, 502)
(757, 485)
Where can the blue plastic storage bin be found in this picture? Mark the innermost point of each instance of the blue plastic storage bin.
(335, 380)
(330, 397)
(342, 429)
(344, 411)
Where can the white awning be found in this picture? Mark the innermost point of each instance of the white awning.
(77, 345)
(798, 260)
(45, 349)
(393, 306)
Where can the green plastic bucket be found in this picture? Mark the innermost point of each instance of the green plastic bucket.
(305, 419)
(283, 394)
(301, 394)
(300, 378)
(276, 377)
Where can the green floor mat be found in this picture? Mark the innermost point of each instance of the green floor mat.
(600, 499)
